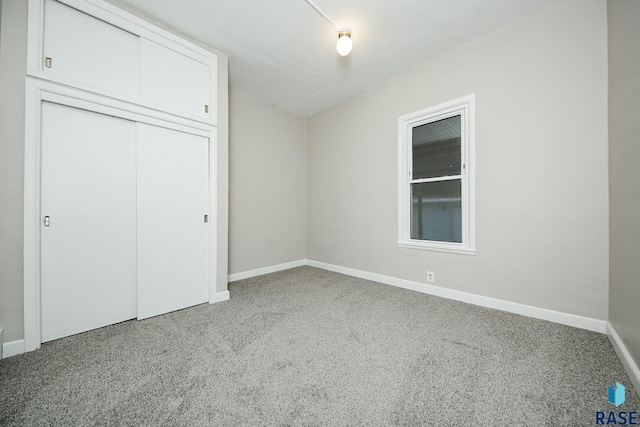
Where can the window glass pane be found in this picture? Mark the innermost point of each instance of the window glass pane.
(436, 148)
(436, 211)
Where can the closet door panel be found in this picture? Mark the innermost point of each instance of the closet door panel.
(90, 51)
(88, 267)
(170, 79)
(173, 237)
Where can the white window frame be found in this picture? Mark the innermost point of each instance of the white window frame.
(465, 107)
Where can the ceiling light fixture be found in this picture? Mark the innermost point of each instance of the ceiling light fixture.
(344, 44)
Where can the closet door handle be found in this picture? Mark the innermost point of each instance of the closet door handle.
(47, 221)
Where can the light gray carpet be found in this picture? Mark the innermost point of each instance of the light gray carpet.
(310, 347)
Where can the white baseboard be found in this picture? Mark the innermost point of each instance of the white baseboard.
(498, 304)
(628, 363)
(265, 270)
(12, 348)
(219, 297)
(17, 347)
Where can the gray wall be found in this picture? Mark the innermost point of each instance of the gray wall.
(267, 204)
(13, 63)
(541, 138)
(328, 192)
(624, 186)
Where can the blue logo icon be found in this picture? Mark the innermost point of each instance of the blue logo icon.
(616, 394)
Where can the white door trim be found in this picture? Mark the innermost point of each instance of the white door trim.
(38, 91)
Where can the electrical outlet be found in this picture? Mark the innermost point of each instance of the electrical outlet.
(431, 276)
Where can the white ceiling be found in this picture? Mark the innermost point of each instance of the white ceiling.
(284, 52)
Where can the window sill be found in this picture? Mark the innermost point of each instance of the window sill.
(437, 248)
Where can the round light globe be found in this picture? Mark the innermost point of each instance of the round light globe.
(344, 44)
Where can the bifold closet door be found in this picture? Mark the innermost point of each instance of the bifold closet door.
(172, 224)
(88, 206)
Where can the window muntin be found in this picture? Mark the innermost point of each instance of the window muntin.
(436, 203)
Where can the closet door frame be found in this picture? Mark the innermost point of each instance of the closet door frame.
(39, 91)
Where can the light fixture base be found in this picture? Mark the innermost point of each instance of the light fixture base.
(344, 32)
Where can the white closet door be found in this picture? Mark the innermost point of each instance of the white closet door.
(90, 51)
(173, 80)
(88, 197)
(173, 237)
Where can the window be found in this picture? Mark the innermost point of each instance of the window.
(436, 181)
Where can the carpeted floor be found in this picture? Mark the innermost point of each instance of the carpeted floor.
(311, 347)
